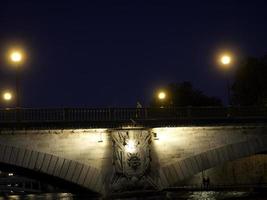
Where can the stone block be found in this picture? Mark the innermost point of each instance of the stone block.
(7, 154)
(58, 166)
(205, 161)
(13, 157)
(91, 177)
(212, 158)
(52, 164)
(83, 175)
(27, 155)
(193, 163)
(174, 176)
(177, 168)
(2, 152)
(100, 184)
(183, 168)
(39, 162)
(162, 181)
(77, 172)
(46, 161)
(166, 174)
(199, 162)
(71, 170)
(33, 159)
(21, 155)
(64, 169)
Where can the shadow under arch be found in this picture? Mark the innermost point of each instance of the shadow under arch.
(186, 168)
(58, 184)
(60, 169)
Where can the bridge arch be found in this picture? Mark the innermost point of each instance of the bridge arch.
(68, 170)
(186, 168)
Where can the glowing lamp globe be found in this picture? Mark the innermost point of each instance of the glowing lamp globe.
(7, 96)
(225, 60)
(16, 57)
(162, 95)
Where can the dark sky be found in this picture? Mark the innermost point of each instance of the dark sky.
(97, 53)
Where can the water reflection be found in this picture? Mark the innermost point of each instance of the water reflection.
(46, 196)
(199, 195)
(211, 195)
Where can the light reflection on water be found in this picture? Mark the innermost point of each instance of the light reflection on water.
(45, 196)
(211, 195)
(199, 195)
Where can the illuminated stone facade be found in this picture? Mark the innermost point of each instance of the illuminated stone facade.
(111, 160)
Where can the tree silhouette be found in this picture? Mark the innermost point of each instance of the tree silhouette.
(183, 94)
(250, 82)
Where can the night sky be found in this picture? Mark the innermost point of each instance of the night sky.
(97, 53)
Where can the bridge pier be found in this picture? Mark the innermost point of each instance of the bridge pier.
(131, 158)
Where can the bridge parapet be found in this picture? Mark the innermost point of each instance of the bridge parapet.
(113, 116)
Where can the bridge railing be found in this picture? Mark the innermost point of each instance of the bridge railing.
(124, 114)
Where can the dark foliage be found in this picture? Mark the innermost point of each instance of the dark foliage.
(183, 94)
(250, 82)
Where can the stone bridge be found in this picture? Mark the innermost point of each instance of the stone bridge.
(137, 153)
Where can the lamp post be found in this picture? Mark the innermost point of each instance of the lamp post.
(16, 58)
(226, 61)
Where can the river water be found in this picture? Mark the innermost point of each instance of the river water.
(203, 195)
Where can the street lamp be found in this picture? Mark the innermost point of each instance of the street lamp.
(161, 98)
(226, 61)
(7, 96)
(16, 57)
(161, 95)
